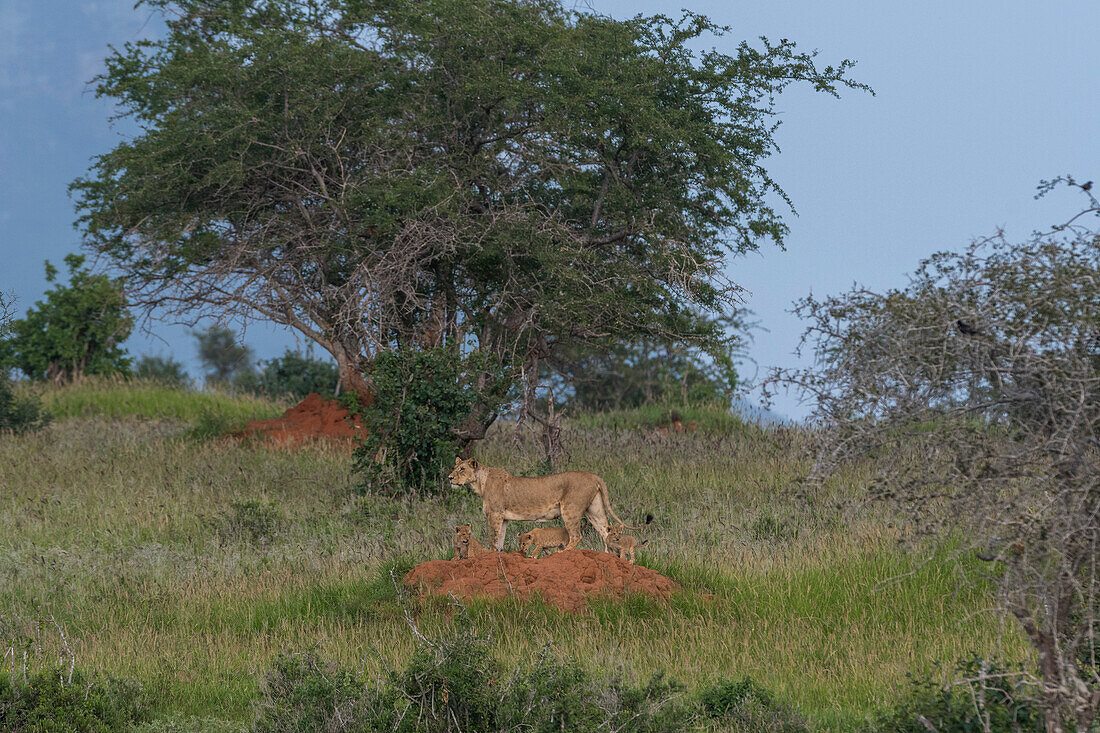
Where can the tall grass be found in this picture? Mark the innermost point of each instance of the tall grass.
(190, 565)
(130, 397)
(707, 418)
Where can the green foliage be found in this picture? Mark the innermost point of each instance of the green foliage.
(224, 359)
(695, 368)
(419, 401)
(984, 697)
(19, 413)
(76, 331)
(163, 370)
(293, 374)
(745, 706)
(49, 701)
(489, 174)
(213, 423)
(454, 683)
(301, 694)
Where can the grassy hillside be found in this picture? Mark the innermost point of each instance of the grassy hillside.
(189, 565)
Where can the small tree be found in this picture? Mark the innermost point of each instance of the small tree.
(974, 395)
(643, 371)
(163, 369)
(223, 357)
(294, 374)
(419, 397)
(77, 330)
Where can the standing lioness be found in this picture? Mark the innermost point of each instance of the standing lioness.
(569, 495)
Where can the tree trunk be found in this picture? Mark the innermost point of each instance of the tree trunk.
(351, 376)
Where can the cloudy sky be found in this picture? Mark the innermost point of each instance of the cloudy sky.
(976, 102)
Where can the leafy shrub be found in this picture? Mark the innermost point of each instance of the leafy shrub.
(75, 331)
(454, 679)
(455, 684)
(213, 424)
(162, 369)
(746, 706)
(50, 700)
(418, 401)
(987, 697)
(301, 695)
(19, 413)
(553, 695)
(291, 374)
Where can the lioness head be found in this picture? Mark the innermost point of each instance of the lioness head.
(463, 473)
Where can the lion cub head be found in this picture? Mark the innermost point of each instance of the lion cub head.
(465, 471)
(622, 544)
(466, 545)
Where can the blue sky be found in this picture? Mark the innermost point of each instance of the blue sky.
(976, 102)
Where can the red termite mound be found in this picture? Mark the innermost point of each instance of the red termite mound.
(310, 420)
(564, 579)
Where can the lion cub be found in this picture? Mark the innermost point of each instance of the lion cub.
(543, 539)
(623, 544)
(466, 545)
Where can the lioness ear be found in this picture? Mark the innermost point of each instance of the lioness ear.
(457, 460)
(473, 463)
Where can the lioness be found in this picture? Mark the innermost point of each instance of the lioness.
(623, 544)
(505, 497)
(466, 545)
(544, 539)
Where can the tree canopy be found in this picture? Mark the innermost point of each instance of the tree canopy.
(494, 175)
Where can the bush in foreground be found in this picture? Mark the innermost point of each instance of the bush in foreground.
(983, 696)
(19, 413)
(455, 683)
(53, 700)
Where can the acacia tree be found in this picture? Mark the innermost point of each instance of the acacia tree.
(973, 395)
(492, 175)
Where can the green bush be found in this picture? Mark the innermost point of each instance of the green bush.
(291, 374)
(75, 331)
(19, 413)
(162, 370)
(50, 701)
(454, 683)
(1001, 700)
(745, 706)
(418, 401)
(301, 695)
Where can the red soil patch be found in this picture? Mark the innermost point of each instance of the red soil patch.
(310, 420)
(564, 579)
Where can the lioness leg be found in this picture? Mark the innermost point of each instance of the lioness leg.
(598, 519)
(572, 522)
(498, 527)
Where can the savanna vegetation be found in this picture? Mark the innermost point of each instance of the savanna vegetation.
(482, 209)
(217, 574)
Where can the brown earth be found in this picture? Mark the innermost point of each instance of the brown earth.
(310, 420)
(564, 579)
